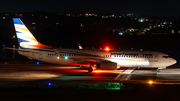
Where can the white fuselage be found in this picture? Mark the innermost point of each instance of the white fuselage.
(122, 58)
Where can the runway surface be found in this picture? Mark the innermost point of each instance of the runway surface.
(31, 82)
(67, 75)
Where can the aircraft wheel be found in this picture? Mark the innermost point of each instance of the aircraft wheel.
(90, 69)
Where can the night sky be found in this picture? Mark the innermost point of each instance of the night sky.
(158, 8)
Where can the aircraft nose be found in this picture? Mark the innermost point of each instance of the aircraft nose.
(172, 61)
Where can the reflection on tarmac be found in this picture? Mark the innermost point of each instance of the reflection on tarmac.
(51, 71)
(28, 74)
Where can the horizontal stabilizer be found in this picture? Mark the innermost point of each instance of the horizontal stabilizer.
(24, 50)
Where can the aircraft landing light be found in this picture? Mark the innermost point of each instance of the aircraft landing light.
(150, 82)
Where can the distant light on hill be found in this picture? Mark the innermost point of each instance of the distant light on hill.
(120, 33)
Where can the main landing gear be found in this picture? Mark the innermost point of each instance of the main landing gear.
(90, 69)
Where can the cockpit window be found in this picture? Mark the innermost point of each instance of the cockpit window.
(165, 56)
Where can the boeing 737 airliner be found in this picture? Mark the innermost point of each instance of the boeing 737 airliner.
(103, 59)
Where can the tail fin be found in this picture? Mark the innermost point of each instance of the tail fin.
(79, 45)
(25, 38)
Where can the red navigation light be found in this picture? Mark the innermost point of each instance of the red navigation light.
(107, 49)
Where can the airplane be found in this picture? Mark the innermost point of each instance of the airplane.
(79, 45)
(103, 59)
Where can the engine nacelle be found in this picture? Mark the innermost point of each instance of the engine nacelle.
(108, 66)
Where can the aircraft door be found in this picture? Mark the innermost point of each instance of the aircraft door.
(40, 55)
(33, 53)
(142, 63)
(156, 57)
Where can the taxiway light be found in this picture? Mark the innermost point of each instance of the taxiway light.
(37, 63)
(49, 84)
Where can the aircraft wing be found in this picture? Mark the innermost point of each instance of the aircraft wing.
(83, 60)
(92, 59)
(76, 52)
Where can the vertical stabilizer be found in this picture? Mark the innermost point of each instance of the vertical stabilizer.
(25, 38)
(79, 45)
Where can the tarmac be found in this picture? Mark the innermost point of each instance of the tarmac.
(52, 82)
